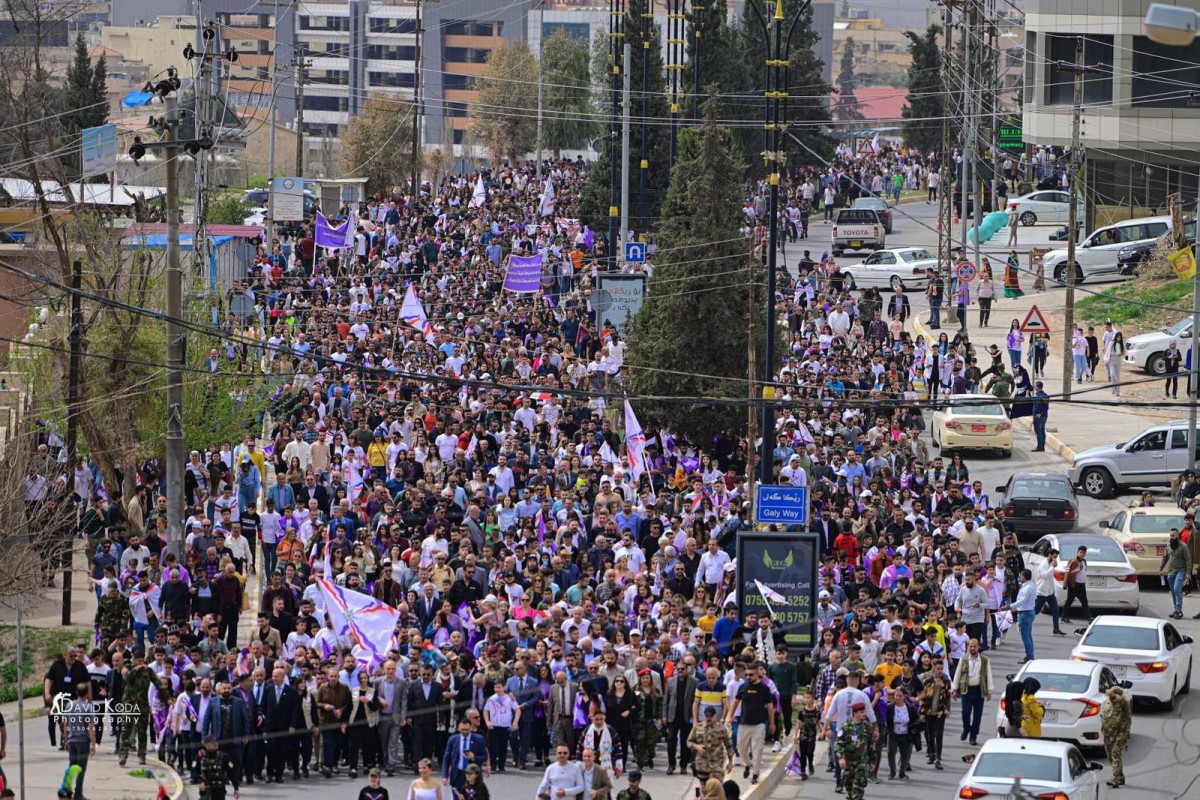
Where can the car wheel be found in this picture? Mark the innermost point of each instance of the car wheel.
(896, 282)
(1028, 218)
(1006, 453)
(1187, 682)
(836, 252)
(1156, 364)
(1096, 482)
(1169, 704)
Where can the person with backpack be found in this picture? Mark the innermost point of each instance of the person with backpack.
(1014, 709)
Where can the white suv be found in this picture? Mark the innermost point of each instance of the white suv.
(1099, 254)
(1146, 350)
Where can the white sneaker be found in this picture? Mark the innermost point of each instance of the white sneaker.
(777, 747)
(737, 761)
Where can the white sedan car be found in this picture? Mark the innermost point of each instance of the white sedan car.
(903, 267)
(972, 422)
(1111, 580)
(1071, 695)
(1150, 653)
(1045, 769)
(1050, 205)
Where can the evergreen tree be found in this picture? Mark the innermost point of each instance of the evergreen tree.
(567, 93)
(695, 315)
(926, 105)
(723, 72)
(85, 101)
(808, 92)
(645, 47)
(847, 106)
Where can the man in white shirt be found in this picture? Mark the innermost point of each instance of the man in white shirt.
(712, 567)
(503, 475)
(1044, 580)
(563, 778)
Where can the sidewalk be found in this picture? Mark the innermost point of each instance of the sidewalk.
(1071, 427)
(103, 780)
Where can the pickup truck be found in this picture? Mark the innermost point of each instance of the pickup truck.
(858, 229)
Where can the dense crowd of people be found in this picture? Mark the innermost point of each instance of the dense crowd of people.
(556, 612)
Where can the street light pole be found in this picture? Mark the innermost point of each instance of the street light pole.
(778, 47)
(616, 10)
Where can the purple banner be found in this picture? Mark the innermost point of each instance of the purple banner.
(524, 274)
(329, 236)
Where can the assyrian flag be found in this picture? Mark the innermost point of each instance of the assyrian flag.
(769, 594)
(479, 196)
(354, 480)
(370, 623)
(699, 498)
(875, 144)
(804, 432)
(607, 454)
(635, 443)
(413, 313)
(431, 656)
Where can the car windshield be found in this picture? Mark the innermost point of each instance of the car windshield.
(1040, 487)
(1154, 523)
(1026, 765)
(980, 409)
(1122, 637)
(1075, 684)
(1179, 327)
(1098, 548)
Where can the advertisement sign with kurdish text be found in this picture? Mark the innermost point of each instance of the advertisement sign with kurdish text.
(785, 563)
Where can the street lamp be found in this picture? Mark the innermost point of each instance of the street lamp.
(778, 45)
(1171, 25)
(1176, 27)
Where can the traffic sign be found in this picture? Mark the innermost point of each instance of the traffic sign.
(965, 271)
(1035, 322)
(635, 252)
(786, 505)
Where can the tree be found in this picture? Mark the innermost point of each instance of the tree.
(847, 107)
(695, 316)
(373, 144)
(567, 93)
(504, 117)
(807, 102)
(85, 99)
(227, 209)
(926, 105)
(643, 36)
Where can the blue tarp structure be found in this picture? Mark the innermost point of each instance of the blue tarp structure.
(158, 241)
(137, 99)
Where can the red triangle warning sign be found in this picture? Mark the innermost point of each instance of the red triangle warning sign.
(1034, 322)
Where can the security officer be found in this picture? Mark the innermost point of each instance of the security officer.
(112, 615)
(854, 747)
(1116, 718)
(713, 748)
(136, 698)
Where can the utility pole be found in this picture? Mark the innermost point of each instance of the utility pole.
(270, 218)
(175, 343)
(643, 225)
(1072, 213)
(416, 131)
(697, 10)
(616, 13)
(541, 79)
(751, 421)
(1193, 380)
(302, 64)
(675, 46)
(963, 184)
(625, 103)
(73, 380)
(976, 113)
(945, 167)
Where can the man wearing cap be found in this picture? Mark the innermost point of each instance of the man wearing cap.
(853, 747)
(840, 707)
(635, 790)
(713, 748)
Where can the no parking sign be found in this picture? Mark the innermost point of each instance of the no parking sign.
(965, 272)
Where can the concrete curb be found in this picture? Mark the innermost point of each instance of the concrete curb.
(167, 776)
(1053, 443)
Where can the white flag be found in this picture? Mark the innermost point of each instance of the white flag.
(769, 594)
(635, 443)
(413, 314)
(549, 199)
(479, 196)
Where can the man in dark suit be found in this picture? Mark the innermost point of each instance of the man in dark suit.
(281, 718)
(427, 605)
(424, 700)
(229, 722)
(677, 711)
(826, 528)
(253, 691)
(463, 749)
(899, 305)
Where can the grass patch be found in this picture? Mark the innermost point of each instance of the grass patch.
(41, 647)
(1123, 303)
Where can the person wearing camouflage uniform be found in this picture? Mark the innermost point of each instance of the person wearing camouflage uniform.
(646, 734)
(713, 748)
(854, 746)
(137, 699)
(1116, 718)
(112, 615)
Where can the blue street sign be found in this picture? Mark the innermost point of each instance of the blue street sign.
(782, 505)
(635, 252)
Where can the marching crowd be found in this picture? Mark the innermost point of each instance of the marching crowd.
(559, 607)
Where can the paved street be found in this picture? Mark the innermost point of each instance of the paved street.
(1162, 752)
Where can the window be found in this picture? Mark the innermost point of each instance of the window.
(1159, 523)
(1060, 83)
(1122, 637)
(1058, 682)
(324, 23)
(456, 109)
(1173, 638)
(1156, 440)
(469, 28)
(318, 103)
(386, 25)
(466, 55)
(400, 80)
(1163, 75)
(1030, 767)
(463, 82)
(330, 50)
(330, 77)
(388, 52)
(459, 136)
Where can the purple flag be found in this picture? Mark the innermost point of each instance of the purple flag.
(524, 274)
(329, 236)
(589, 239)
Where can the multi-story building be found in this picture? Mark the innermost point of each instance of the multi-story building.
(1140, 132)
